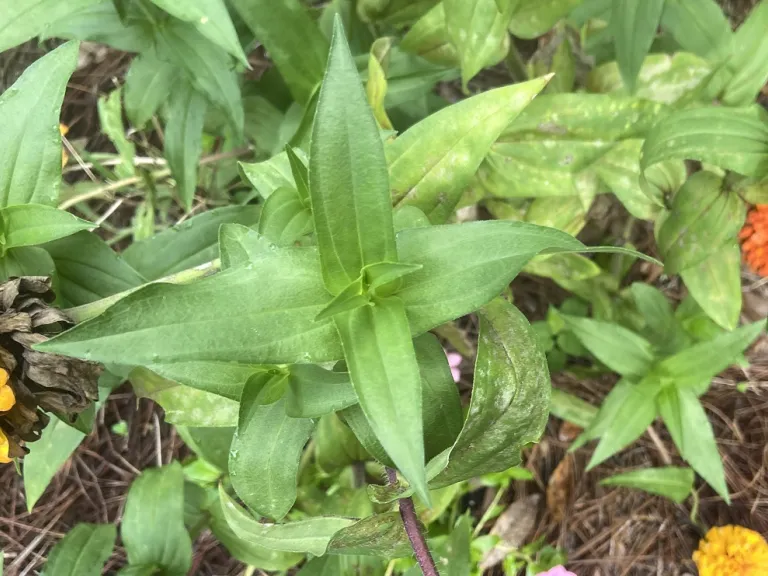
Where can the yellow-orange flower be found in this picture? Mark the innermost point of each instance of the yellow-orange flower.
(63, 129)
(732, 551)
(7, 397)
(4, 446)
(754, 239)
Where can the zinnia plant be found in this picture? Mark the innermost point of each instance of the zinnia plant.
(732, 551)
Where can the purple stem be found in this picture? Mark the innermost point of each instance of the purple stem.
(418, 543)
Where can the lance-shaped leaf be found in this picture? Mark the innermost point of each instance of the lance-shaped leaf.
(348, 179)
(211, 18)
(746, 68)
(670, 482)
(732, 138)
(304, 536)
(428, 38)
(572, 408)
(664, 330)
(293, 40)
(478, 30)
(25, 20)
(189, 244)
(206, 66)
(336, 446)
(184, 138)
(692, 433)
(634, 24)
(82, 552)
(30, 163)
(285, 218)
(32, 224)
(313, 392)
(532, 18)
(264, 458)
(376, 86)
(715, 284)
(384, 371)
(184, 406)
(148, 83)
(269, 175)
(88, 269)
(510, 397)
(705, 360)
(152, 528)
(155, 325)
(238, 245)
(699, 27)
(466, 265)
(432, 162)
(615, 346)
(221, 378)
(380, 534)
(111, 120)
(705, 216)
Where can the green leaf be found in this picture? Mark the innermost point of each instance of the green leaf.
(533, 18)
(30, 165)
(98, 21)
(46, 456)
(440, 402)
(704, 218)
(432, 162)
(606, 415)
(663, 329)
(715, 284)
(276, 327)
(747, 64)
(634, 24)
(314, 392)
(670, 482)
(572, 408)
(380, 534)
(348, 177)
(702, 362)
(336, 446)
(300, 173)
(210, 444)
(184, 139)
(189, 244)
(465, 266)
(699, 27)
(304, 536)
(87, 269)
(82, 552)
(732, 138)
(32, 224)
(25, 261)
(510, 397)
(269, 175)
(245, 550)
(111, 119)
(478, 30)
(148, 84)
(376, 86)
(238, 245)
(692, 433)
(629, 421)
(183, 405)
(428, 38)
(211, 18)
(24, 20)
(293, 40)
(662, 77)
(264, 459)
(285, 218)
(152, 528)
(385, 374)
(615, 346)
(206, 66)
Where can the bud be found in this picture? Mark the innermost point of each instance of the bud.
(32, 381)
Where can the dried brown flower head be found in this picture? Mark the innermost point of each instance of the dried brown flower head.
(35, 381)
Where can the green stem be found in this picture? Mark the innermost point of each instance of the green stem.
(488, 512)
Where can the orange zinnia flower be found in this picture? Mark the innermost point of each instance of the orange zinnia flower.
(754, 239)
(732, 551)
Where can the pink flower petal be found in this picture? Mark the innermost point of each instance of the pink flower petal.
(454, 359)
(456, 373)
(557, 571)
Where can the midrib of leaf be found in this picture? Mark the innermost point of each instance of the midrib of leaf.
(270, 467)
